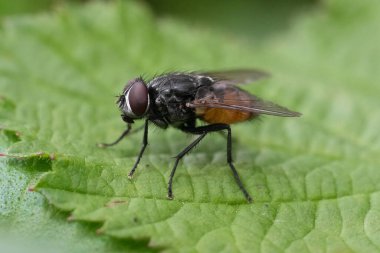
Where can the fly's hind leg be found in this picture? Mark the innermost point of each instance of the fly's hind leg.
(234, 171)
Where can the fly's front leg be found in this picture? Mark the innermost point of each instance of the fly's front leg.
(144, 144)
(203, 130)
(125, 133)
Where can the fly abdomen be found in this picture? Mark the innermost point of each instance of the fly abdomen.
(224, 116)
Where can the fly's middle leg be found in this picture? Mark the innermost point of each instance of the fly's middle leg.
(203, 131)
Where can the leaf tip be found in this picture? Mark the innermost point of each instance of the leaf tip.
(100, 145)
(71, 218)
(99, 231)
(52, 156)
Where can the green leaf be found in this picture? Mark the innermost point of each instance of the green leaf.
(29, 224)
(315, 180)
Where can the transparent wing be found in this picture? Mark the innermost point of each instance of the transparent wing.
(225, 96)
(236, 76)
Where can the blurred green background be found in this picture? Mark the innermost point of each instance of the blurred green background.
(252, 19)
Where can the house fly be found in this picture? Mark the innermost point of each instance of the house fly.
(178, 99)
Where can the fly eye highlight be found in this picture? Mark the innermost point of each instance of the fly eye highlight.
(136, 99)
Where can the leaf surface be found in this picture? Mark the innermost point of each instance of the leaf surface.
(315, 180)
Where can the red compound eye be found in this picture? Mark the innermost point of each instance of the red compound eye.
(137, 98)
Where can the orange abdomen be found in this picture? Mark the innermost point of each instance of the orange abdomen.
(218, 115)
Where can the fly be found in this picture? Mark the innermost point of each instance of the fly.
(178, 99)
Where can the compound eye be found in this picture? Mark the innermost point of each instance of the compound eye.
(137, 99)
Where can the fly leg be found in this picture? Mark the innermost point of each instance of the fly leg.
(234, 171)
(178, 157)
(203, 130)
(144, 144)
(125, 133)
